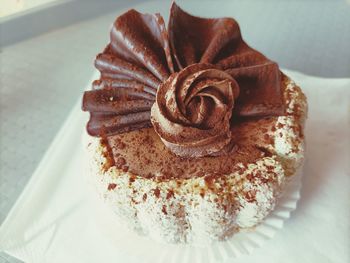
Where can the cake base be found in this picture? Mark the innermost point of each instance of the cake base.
(201, 209)
(242, 243)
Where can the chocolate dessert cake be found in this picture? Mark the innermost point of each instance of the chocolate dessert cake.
(192, 133)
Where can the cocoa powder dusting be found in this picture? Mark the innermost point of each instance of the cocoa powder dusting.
(145, 155)
(119, 144)
(111, 187)
(250, 177)
(170, 194)
(144, 197)
(157, 192)
(164, 210)
(265, 152)
(108, 154)
(132, 179)
(250, 196)
(209, 179)
(120, 162)
(266, 137)
(280, 125)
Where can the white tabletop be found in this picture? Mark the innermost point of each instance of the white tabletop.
(42, 77)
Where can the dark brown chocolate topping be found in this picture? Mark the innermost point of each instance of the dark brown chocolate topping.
(193, 109)
(143, 154)
(143, 56)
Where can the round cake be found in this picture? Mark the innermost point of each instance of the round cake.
(192, 133)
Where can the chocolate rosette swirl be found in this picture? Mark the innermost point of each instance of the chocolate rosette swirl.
(193, 109)
(201, 71)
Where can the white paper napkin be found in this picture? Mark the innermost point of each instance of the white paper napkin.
(53, 222)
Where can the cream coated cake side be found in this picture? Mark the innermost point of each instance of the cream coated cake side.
(205, 206)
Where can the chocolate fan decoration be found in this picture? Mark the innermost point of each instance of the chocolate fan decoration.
(143, 57)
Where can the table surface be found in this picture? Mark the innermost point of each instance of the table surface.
(42, 77)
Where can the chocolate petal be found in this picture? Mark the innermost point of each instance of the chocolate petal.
(114, 124)
(117, 109)
(194, 39)
(143, 39)
(260, 90)
(246, 58)
(123, 83)
(111, 64)
(110, 101)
